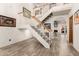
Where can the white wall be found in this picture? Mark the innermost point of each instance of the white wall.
(75, 7)
(75, 30)
(13, 33)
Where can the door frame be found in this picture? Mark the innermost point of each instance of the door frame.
(71, 29)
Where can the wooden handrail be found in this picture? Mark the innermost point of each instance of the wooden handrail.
(36, 19)
(41, 24)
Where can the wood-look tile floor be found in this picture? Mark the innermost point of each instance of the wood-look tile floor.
(32, 47)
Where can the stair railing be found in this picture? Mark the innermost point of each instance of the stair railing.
(27, 13)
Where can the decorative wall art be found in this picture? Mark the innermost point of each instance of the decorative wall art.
(7, 21)
(76, 17)
(26, 13)
(55, 23)
(48, 25)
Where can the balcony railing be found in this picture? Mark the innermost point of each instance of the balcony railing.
(42, 9)
(42, 34)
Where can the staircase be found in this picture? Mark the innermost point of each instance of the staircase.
(40, 36)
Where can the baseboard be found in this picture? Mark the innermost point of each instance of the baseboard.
(14, 43)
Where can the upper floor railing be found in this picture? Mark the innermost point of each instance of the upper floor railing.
(41, 8)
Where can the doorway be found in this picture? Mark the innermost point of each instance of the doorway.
(71, 30)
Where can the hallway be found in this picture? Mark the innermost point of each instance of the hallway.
(32, 47)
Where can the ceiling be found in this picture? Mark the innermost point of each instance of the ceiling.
(61, 19)
(61, 16)
(64, 12)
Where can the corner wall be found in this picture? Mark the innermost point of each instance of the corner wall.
(76, 30)
(13, 33)
(75, 7)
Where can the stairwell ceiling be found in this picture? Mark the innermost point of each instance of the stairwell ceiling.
(64, 12)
